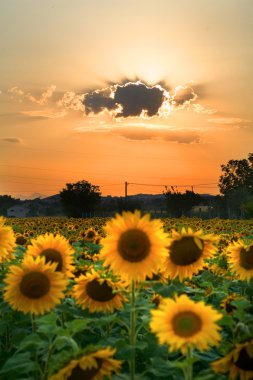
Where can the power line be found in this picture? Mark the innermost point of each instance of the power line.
(189, 185)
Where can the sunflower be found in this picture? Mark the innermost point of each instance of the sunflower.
(98, 293)
(226, 303)
(240, 258)
(90, 235)
(157, 299)
(238, 362)
(7, 242)
(135, 246)
(21, 239)
(34, 286)
(55, 249)
(186, 253)
(93, 366)
(184, 323)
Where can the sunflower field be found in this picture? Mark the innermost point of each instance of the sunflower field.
(126, 298)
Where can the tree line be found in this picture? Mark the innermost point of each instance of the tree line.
(235, 199)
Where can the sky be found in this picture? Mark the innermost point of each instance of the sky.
(151, 92)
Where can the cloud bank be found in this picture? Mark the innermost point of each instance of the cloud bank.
(132, 99)
(119, 100)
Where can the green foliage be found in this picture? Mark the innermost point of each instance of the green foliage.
(64, 333)
(247, 207)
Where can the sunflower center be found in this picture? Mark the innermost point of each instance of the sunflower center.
(34, 285)
(21, 240)
(90, 234)
(99, 292)
(246, 258)
(54, 256)
(244, 361)
(186, 324)
(85, 374)
(229, 308)
(185, 251)
(134, 245)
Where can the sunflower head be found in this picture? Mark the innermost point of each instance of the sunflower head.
(90, 365)
(135, 246)
(21, 239)
(90, 235)
(55, 249)
(98, 293)
(187, 251)
(226, 304)
(7, 242)
(34, 286)
(240, 258)
(238, 362)
(183, 323)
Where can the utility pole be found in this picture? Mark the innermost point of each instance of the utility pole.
(192, 189)
(126, 189)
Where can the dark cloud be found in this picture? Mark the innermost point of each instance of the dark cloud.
(129, 99)
(13, 140)
(97, 101)
(183, 96)
(136, 98)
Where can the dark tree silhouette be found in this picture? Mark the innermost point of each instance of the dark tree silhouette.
(126, 204)
(179, 204)
(236, 184)
(6, 201)
(237, 175)
(80, 198)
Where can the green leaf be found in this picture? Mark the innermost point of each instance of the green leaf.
(226, 320)
(31, 341)
(21, 363)
(64, 341)
(77, 325)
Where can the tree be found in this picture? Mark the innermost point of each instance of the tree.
(6, 201)
(179, 204)
(236, 184)
(80, 198)
(126, 204)
(237, 175)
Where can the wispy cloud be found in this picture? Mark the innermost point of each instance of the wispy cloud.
(145, 132)
(45, 114)
(70, 100)
(198, 108)
(42, 100)
(228, 120)
(12, 140)
(183, 97)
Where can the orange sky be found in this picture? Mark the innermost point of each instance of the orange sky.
(149, 92)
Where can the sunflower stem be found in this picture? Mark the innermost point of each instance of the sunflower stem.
(132, 331)
(49, 352)
(33, 323)
(189, 372)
